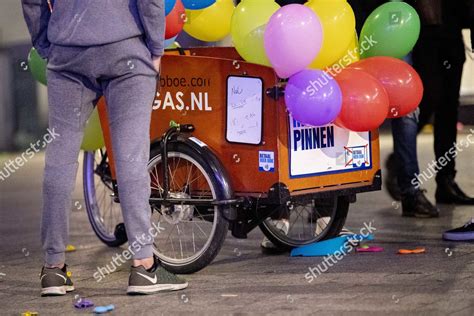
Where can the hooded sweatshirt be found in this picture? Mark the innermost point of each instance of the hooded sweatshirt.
(94, 22)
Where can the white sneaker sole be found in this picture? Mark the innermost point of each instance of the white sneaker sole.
(150, 289)
(53, 291)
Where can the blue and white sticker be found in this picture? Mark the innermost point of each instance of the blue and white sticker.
(266, 161)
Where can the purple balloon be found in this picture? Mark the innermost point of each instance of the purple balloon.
(313, 97)
(292, 39)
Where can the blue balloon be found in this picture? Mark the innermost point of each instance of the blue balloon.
(169, 5)
(170, 41)
(197, 4)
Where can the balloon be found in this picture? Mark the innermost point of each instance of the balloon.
(175, 20)
(198, 4)
(170, 42)
(292, 39)
(37, 66)
(93, 138)
(247, 28)
(169, 5)
(351, 54)
(364, 101)
(313, 97)
(391, 30)
(210, 24)
(338, 22)
(402, 83)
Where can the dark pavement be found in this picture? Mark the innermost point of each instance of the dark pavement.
(242, 279)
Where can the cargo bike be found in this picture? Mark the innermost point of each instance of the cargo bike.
(226, 156)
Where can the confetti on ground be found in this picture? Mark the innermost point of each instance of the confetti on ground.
(70, 248)
(411, 251)
(29, 313)
(366, 248)
(83, 303)
(103, 309)
(229, 295)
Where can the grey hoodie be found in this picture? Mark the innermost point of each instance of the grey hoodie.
(94, 22)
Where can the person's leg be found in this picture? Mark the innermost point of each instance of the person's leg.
(129, 90)
(129, 85)
(414, 201)
(446, 118)
(70, 105)
(446, 111)
(129, 106)
(404, 131)
(426, 55)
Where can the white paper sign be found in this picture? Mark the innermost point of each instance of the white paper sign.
(327, 149)
(244, 110)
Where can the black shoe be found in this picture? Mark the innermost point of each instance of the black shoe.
(465, 232)
(417, 205)
(391, 179)
(154, 280)
(55, 281)
(448, 192)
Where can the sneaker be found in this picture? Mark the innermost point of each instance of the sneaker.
(55, 281)
(417, 205)
(154, 280)
(283, 225)
(323, 222)
(465, 232)
(346, 232)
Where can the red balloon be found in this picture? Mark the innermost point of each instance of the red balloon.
(175, 20)
(364, 101)
(402, 83)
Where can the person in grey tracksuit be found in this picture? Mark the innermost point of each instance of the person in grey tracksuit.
(94, 48)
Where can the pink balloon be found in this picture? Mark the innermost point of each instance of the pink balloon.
(292, 39)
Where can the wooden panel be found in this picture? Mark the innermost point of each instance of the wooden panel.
(205, 78)
(192, 90)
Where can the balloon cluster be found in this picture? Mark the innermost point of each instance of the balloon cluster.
(206, 20)
(315, 45)
(317, 48)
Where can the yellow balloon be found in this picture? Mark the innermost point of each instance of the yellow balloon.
(338, 21)
(351, 55)
(248, 27)
(212, 23)
(93, 138)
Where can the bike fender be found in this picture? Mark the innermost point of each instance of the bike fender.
(224, 185)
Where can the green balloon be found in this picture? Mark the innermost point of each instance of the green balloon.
(93, 137)
(37, 66)
(391, 30)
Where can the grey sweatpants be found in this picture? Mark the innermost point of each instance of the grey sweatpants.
(77, 76)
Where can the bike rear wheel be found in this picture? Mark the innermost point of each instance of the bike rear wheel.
(307, 222)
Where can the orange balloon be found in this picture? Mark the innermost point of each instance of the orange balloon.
(364, 101)
(402, 83)
(175, 20)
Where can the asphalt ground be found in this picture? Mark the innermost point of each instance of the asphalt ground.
(241, 279)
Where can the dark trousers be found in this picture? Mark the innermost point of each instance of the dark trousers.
(404, 132)
(439, 60)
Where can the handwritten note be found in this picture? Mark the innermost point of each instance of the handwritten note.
(244, 110)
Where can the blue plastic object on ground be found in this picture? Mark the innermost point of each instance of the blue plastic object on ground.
(328, 247)
(103, 309)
